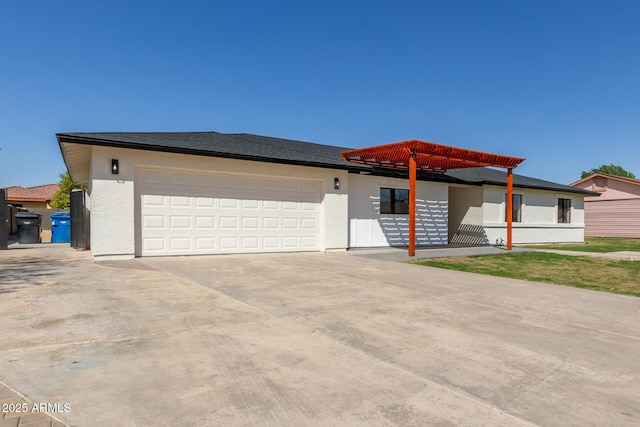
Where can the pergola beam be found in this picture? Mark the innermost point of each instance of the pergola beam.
(509, 208)
(427, 156)
(412, 205)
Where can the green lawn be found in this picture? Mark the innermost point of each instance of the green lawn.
(597, 244)
(621, 277)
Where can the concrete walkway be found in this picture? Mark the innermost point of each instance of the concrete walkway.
(310, 339)
(622, 255)
(400, 254)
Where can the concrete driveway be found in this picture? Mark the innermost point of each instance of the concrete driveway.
(310, 339)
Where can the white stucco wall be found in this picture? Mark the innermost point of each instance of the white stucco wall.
(350, 216)
(465, 215)
(369, 228)
(113, 206)
(539, 216)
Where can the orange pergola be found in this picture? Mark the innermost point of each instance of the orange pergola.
(417, 155)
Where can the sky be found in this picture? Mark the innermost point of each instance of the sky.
(555, 82)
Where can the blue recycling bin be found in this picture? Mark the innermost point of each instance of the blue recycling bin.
(61, 227)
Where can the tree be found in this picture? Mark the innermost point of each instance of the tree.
(609, 170)
(61, 197)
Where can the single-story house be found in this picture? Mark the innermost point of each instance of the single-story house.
(37, 197)
(186, 193)
(616, 212)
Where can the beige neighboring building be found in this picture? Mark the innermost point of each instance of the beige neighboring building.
(32, 197)
(616, 213)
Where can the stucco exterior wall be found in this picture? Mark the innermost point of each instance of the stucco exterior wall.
(113, 206)
(616, 212)
(539, 217)
(466, 215)
(350, 215)
(369, 228)
(613, 218)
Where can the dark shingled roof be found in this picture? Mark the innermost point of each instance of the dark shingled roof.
(277, 150)
(235, 145)
(497, 177)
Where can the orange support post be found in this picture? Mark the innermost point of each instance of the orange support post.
(412, 204)
(509, 208)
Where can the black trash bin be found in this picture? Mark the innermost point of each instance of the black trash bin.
(29, 227)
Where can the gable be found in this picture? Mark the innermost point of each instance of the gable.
(610, 187)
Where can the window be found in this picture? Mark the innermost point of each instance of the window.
(564, 211)
(517, 208)
(394, 201)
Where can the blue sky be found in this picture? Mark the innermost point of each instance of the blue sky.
(556, 82)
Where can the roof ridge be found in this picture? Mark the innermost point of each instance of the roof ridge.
(42, 185)
(624, 178)
(607, 175)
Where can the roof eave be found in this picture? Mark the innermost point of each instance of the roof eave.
(66, 139)
(26, 199)
(606, 175)
(541, 187)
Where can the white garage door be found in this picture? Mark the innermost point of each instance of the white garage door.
(184, 213)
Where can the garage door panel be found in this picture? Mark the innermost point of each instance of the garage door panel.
(270, 205)
(290, 223)
(270, 242)
(309, 224)
(179, 202)
(153, 221)
(308, 188)
(250, 204)
(250, 184)
(205, 202)
(250, 223)
(154, 244)
(271, 223)
(290, 206)
(228, 203)
(290, 242)
(180, 243)
(228, 223)
(180, 221)
(250, 242)
(309, 207)
(291, 187)
(206, 181)
(205, 243)
(229, 243)
(152, 200)
(205, 222)
(271, 185)
(180, 178)
(190, 213)
(153, 177)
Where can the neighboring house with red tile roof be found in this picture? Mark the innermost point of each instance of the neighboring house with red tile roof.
(616, 213)
(32, 197)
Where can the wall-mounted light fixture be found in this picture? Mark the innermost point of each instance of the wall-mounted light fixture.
(115, 167)
(336, 183)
